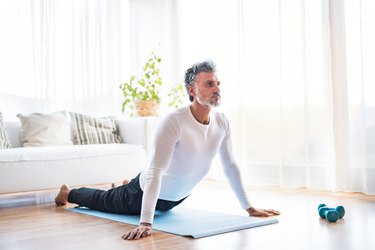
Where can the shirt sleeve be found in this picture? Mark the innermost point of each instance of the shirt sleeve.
(231, 169)
(166, 137)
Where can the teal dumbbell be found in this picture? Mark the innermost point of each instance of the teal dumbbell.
(321, 205)
(331, 214)
(341, 211)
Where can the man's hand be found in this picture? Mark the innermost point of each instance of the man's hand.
(142, 231)
(262, 212)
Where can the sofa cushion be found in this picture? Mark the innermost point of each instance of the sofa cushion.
(45, 129)
(36, 168)
(4, 139)
(94, 130)
(66, 153)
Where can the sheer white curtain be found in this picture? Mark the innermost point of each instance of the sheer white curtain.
(63, 54)
(273, 58)
(298, 84)
(360, 59)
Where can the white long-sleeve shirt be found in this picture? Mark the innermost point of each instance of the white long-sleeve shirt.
(184, 150)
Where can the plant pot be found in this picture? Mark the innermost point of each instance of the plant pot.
(146, 108)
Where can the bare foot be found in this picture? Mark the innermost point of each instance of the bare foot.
(62, 197)
(125, 182)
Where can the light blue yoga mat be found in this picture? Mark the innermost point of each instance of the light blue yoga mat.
(187, 221)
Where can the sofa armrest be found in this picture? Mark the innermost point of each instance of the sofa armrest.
(139, 131)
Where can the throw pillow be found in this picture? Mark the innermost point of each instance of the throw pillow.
(94, 130)
(4, 139)
(45, 129)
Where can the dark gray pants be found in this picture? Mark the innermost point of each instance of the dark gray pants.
(125, 199)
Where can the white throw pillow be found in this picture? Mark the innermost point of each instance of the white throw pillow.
(45, 129)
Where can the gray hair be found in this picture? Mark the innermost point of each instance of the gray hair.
(192, 72)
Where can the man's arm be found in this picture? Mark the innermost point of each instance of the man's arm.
(165, 140)
(231, 169)
(233, 175)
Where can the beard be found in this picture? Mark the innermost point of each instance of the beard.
(212, 101)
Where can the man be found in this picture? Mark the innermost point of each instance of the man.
(186, 142)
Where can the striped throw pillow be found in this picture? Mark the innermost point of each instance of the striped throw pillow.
(94, 130)
(4, 139)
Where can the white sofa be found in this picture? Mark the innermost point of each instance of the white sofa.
(38, 168)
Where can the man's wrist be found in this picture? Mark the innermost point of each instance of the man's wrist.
(250, 209)
(145, 224)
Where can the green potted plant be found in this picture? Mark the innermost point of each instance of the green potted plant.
(177, 96)
(142, 95)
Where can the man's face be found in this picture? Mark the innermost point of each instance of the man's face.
(206, 91)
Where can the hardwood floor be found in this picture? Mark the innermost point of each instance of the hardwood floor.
(25, 225)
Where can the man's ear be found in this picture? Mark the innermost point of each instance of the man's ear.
(192, 90)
